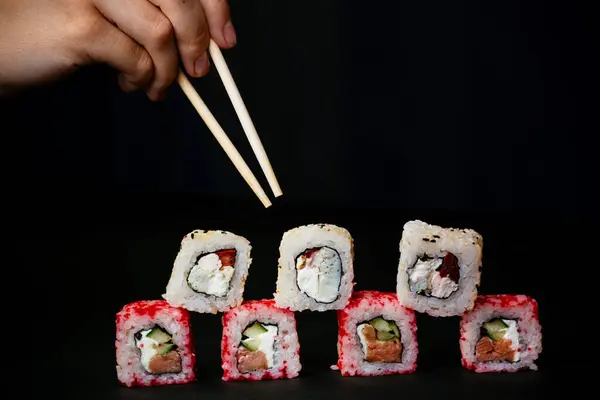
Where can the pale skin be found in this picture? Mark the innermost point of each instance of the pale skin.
(145, 40)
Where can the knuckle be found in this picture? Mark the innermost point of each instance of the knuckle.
(198, 44)
(203, 38)
(144, 65)
(85, 29)
(162, 31)
(168, 75)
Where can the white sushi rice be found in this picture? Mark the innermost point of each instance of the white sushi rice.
(529, 331)
(178, 292)
(295, 242)
(129, 363)
(286, 347)
(465, 244)
(353, 353)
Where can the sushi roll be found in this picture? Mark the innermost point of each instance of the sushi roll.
(501, 334)
(315, 268)
(209, 272)
(154, 344)
(376, 336)
(259, 342)
(439, 269)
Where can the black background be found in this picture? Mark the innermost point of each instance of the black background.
(467, 114)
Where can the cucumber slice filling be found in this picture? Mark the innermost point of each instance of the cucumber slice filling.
(395, 329)
(495, 329)
(386, 330)
(156, 342)
(380, 324)
(159, 335)
(251, 344)
(165, 348)
(254, 330)
(385, 336)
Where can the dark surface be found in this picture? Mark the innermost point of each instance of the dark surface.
(461, 105)
(91, 267)
(464, 113)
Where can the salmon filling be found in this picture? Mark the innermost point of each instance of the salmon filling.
(211, 273)
(249, 361)
(380, 341)
(257, 348)
(434, 276)
(499, 341)
(158, 353)
(170, 363)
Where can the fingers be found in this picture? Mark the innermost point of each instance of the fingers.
(146, 38)
(194, 22)
(148, 26)
(104, 43)
(191, 33)
(219, 22)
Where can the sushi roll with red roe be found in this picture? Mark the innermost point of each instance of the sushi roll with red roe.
(210, 271)
(154, 344)
(376, 336)
(439, 269)
(259, 342)
(501, 334)
(316, 268)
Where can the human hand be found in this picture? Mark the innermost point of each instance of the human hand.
(42, 40)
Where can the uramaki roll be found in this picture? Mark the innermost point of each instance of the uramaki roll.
(154, 344)
(209, 272)
(439, 269)
(376, 336)
(501, 334)
(316, 268)
(259, 342)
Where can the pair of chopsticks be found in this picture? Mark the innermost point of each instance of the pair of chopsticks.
(248, 126)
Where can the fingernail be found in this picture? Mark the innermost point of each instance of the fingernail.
(201, 65)
(229, 33)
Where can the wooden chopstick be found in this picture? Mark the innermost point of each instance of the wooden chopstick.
(244, 117)
(222, 137)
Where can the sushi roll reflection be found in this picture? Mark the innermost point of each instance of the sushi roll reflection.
(210, 272)
(315, 268)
